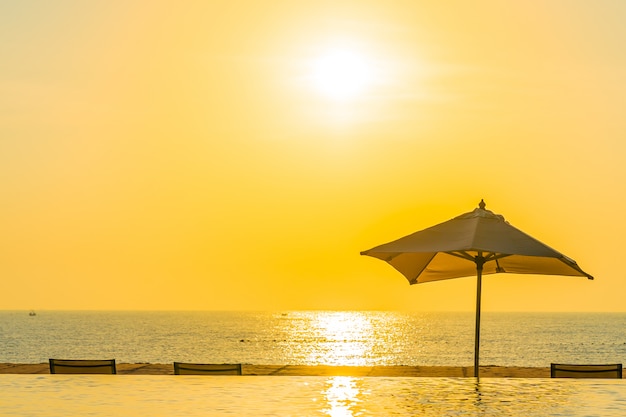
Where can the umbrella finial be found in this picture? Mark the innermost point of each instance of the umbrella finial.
(482, 204)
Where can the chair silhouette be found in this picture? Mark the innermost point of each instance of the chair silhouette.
(182, 368)
(82, 366)
(561, 370)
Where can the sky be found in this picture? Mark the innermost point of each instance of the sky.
(239, 155)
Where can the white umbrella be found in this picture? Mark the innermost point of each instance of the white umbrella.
(479, 242)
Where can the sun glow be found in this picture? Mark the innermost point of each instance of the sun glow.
(342, 74)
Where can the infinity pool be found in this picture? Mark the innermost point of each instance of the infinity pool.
(152, 396)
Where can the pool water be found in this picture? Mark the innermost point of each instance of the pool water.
(146, 395)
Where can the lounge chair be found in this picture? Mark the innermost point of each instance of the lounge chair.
(82, 366)
(560, 370)
(182, 368)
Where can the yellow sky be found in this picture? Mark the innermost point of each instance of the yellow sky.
(184, 155)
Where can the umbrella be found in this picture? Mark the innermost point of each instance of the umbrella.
(479, 242)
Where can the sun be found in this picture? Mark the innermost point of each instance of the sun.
(342, 74)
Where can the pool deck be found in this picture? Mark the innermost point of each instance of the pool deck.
(321, 370)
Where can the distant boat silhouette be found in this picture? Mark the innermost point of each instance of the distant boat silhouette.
(32, 313)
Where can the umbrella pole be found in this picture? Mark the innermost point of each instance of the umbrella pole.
(479, 278)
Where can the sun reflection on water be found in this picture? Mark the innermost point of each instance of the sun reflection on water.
(343, 338)
(343, 396)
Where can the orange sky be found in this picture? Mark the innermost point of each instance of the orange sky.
(188, 155)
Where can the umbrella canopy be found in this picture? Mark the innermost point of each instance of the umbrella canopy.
(475, 243)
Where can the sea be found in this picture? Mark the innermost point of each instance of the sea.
(348, 338)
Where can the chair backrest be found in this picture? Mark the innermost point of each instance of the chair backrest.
(560, 370)
(82, 366)
(182, 368)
